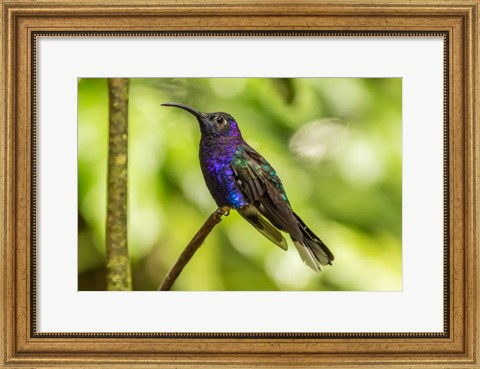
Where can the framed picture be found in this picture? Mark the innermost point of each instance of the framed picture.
(367, 113)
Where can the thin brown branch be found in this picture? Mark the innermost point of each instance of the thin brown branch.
(191, 248)
(118, 272)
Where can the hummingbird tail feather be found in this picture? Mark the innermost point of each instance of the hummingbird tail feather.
(312, 250)
(251, 214)
(306, 255)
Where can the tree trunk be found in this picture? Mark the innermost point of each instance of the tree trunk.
(118, 272)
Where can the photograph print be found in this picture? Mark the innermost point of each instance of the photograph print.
(240, 184)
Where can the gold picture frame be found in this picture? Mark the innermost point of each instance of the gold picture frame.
(458, 346)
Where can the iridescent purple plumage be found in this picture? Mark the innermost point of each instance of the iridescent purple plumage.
(215, 158)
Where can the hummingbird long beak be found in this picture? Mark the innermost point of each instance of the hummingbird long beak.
(196, 113)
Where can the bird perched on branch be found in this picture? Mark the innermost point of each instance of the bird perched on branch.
(239, 178)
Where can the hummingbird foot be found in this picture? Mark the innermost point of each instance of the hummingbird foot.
(225, 210)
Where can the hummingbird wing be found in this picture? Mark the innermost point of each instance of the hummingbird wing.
(251, 214)
(264, 191)
(262, 188)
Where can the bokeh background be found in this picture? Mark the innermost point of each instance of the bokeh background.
(336, 143)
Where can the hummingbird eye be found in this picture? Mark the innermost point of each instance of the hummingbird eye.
(220, 120)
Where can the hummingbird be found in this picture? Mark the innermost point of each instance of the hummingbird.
(241, 179)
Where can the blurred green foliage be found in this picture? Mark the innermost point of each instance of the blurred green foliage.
(336, 143)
